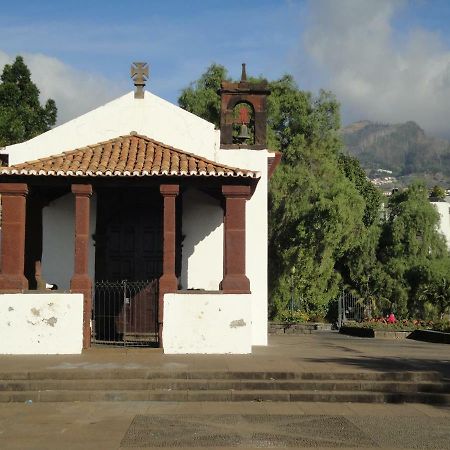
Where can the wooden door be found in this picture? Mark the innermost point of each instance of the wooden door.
(129, 235)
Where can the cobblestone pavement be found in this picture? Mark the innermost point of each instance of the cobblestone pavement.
(124, 425)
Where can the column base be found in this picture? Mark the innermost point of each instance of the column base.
(235, 284)
(9, 282)
(168, 283)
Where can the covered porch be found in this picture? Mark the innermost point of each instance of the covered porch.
(144, 196)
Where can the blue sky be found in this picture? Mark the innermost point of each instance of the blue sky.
(386, 60)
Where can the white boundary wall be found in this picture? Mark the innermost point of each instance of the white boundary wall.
(207, 323)
(44, 324)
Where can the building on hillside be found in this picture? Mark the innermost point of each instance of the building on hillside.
(443, 209)
(151, 223)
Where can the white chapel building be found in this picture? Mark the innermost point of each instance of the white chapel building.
(149, 222)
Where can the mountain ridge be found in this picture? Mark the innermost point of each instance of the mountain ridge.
(403, 149)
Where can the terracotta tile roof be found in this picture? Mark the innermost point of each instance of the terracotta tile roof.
(126, 156)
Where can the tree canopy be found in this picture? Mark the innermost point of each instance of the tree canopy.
(21, 115)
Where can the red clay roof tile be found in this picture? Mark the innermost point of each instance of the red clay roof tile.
(131, 155)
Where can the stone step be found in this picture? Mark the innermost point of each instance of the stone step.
(128, 374)
(224, 395)
(218, 385)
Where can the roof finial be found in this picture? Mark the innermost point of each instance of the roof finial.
(244, 73)
(139, 73)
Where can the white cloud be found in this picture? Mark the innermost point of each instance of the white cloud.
(75, 92)
(377, 72)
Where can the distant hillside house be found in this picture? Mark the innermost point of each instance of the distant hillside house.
(443, 209)
(149, 224)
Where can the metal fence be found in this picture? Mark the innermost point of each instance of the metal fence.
(352, 308)
(125, 313)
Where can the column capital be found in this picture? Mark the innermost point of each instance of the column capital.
(14, 189)
(169, 190)
(83, 190)
(236, 191)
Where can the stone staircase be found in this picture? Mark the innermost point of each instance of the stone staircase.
(144, 385)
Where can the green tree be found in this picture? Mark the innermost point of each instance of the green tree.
(438, 193)
(412, 251)
(316, 216)
(201, 97)
(433, 293)
(21, 115)
(372, 196)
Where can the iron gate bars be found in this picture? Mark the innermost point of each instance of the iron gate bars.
(125, 313)
(351, 308)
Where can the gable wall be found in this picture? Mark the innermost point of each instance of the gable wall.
(151, 116)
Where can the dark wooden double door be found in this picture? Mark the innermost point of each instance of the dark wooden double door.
(129, 236)
(129, 245)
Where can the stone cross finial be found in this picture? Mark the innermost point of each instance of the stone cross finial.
(139, 73)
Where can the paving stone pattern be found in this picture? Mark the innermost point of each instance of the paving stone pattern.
(259, 431)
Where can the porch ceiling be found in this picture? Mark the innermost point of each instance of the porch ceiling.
(127, 156)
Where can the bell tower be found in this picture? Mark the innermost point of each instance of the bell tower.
(243, 114)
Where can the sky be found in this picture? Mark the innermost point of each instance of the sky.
(385, 60)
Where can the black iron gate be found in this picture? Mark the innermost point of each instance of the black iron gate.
(352, 308)
(125, 313)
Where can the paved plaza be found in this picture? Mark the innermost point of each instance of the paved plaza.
(319, 352)
(114, 425)
(110, 425)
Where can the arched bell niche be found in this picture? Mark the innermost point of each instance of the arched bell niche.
(253, 97)
(244, 124)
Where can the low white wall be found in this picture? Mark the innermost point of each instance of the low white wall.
(43, 324)
(207, 323)
(58, 240)
(202, 254)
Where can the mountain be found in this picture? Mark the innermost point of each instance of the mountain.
(404, 149)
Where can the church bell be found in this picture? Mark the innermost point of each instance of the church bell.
(243, 133)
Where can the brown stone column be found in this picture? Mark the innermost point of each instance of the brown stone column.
(168, 281)
(13, 236)
(234, 279)
(81, 281)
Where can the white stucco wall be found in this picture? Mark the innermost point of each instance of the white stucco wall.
(207, 323)
(152, 116)
(58, 239)
(202, 254)
(46, 323)
(444, 223)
